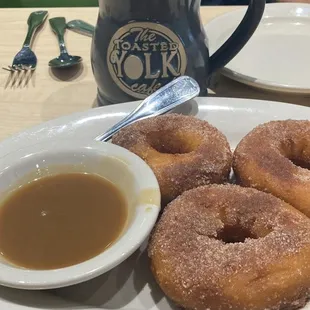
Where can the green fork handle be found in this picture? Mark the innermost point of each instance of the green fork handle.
(35, 20)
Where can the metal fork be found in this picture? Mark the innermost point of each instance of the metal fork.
(26, 59)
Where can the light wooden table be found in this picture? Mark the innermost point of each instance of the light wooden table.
(48, 96)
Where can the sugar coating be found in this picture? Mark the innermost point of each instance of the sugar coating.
(266, 159)
(196, 269)
(183, 151)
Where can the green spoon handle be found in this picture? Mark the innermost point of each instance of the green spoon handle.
(35, 20)
(82, 27)
(59, 26)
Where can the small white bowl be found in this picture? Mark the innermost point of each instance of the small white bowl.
(126, 170)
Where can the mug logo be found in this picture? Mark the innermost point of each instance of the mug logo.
(142, 57)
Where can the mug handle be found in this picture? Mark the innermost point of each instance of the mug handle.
(240, 36)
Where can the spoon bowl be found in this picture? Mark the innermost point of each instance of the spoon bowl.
(65, 61)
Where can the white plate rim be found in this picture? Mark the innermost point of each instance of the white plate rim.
(271, 10)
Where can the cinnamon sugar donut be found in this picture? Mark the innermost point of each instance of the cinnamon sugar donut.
(223, 247)
(183, 151)
(273, 158)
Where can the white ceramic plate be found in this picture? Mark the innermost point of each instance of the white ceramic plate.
(131, 286)
(277, 56)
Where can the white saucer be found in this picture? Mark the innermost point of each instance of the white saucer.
(131, 286)
(277, 57)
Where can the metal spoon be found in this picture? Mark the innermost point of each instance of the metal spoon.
(64, 60)
(162, 101)
(81, 27)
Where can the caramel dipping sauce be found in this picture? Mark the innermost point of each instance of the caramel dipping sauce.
(60, 220)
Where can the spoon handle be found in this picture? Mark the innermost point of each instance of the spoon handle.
(59, 26)
(82, 27)
(163, 100)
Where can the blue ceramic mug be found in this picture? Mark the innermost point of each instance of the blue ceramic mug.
(141, 45)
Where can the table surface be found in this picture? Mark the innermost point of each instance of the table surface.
(48, 95)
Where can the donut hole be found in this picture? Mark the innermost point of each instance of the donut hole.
(298, 152)
(168, 142)
(235, 234)
(300, 163)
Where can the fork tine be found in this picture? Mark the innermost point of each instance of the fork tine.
(18, 67)
(8, 69)
(12, 68)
